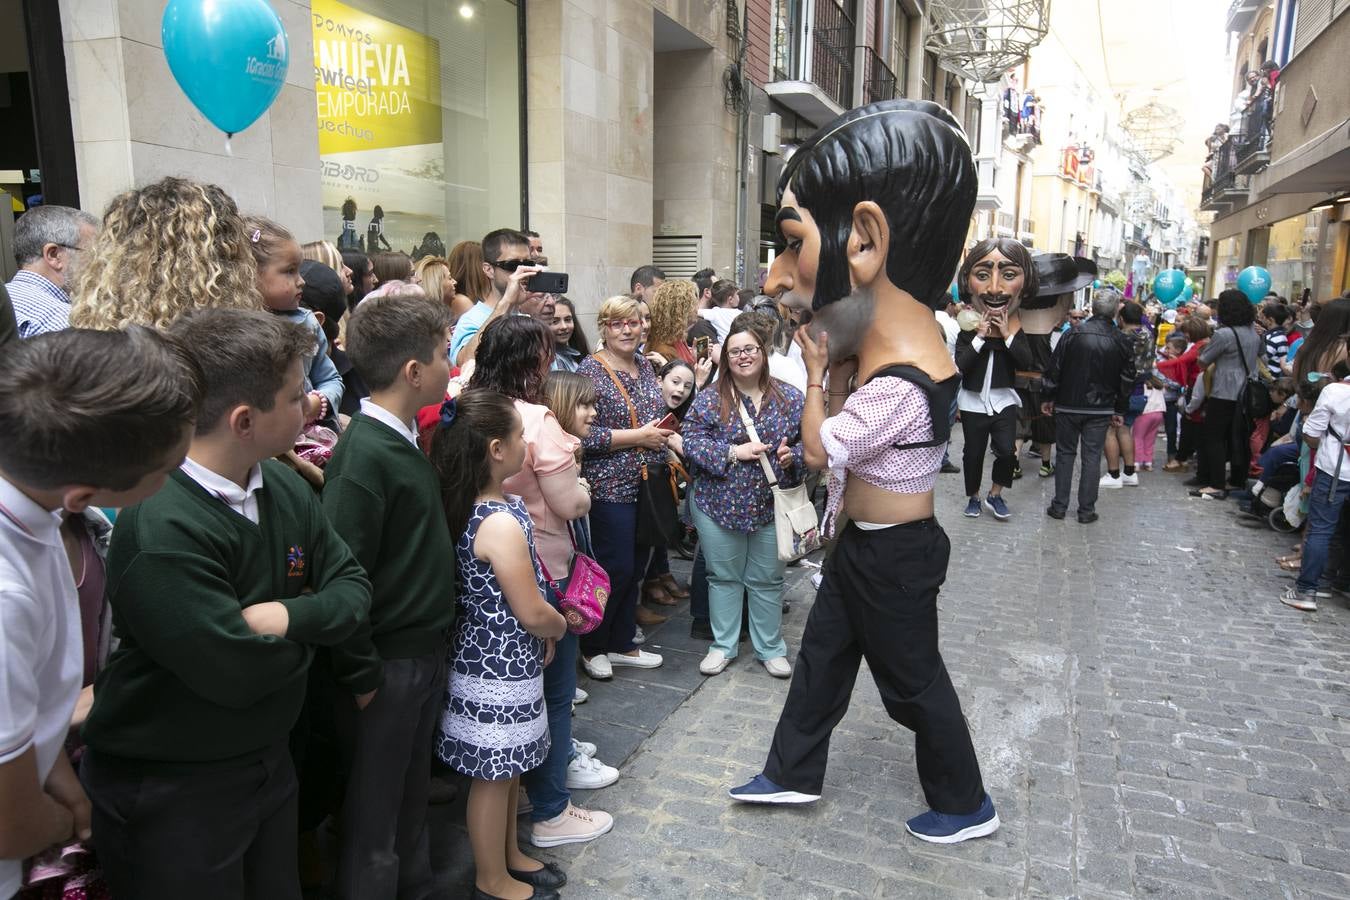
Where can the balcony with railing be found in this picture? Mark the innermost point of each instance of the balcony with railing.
(1252, 150)
(813, 58)
(879, 82)
(1226, 185)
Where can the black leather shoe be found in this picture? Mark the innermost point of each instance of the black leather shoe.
(1054, 513)
(539, 894)
(1087, 518)
(950, 468)
(550, 877)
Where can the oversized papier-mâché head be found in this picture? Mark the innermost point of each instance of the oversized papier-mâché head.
(997, 275)
(897, 174)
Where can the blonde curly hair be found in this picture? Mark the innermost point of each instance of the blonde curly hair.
(672, 307)
(165, 248)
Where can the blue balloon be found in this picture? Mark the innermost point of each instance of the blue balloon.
(1255, 282)
(229, 56)
(1168, 285)
(1097, 284)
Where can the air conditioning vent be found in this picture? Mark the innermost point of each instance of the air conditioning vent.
(678, 255)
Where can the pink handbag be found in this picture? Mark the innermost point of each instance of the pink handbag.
(583, 605)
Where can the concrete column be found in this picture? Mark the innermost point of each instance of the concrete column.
(133, 125)
(590, 108)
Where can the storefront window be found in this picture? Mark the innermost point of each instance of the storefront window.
(1228, 261)
(1292, 254)
(419, 121)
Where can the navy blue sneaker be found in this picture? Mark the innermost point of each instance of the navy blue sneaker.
(761, 790)
(996, 506)
(940, 828)
(973, 508)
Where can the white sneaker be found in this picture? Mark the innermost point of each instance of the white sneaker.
(639, 636)
(778, 667)
(1131, 480)
(643, 660)
(573, 826)
(598, 667)
(586, 774)
(1108, 482)
(580, 696)
(714, 663)
(583, 748)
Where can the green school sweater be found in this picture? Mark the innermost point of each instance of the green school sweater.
(190, 683)
(382, 495)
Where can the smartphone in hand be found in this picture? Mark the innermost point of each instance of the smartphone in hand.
(669, 423)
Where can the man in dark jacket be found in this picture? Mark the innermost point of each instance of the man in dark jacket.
(1087, 387)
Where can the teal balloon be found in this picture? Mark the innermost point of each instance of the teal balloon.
(229, 56)
(1168, 285)
(1097, 284)
(1188, 294)
(1255, 282)
(956, 294)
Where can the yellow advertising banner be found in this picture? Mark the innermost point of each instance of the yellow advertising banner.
(377, 83)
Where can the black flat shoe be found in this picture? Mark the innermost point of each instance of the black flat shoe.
(1087, 518)
(1054, 513)
(550, 877)
(539, 894)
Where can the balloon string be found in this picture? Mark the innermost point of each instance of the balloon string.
(228, 151)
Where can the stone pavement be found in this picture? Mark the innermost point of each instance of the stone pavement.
(1150, 720)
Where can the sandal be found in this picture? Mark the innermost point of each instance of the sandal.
(1290, 557)
(654, 592)
(1174, 466)
(1291, 565)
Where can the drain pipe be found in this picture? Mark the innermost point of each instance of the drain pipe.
(742, 148)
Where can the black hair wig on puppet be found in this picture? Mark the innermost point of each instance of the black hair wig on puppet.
(913, 160)
(1014, 251)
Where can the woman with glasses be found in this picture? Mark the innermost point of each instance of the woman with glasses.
(733, 502)
(627, 395)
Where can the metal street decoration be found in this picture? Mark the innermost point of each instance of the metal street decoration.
(982, 39)
(1153, 127)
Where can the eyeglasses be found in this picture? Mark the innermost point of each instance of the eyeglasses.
(510, 265)
(738, 352)
(622, 324)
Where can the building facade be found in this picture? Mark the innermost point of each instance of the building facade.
(1280, 189)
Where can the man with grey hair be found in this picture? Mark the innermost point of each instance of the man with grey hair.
(1087, 387)
(48, 241)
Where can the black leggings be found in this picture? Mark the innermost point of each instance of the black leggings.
(980, 431)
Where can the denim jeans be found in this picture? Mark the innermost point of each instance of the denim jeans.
(613, 534)
(547, 785)
(1071, 429)
(1324, 515)
(739, 562)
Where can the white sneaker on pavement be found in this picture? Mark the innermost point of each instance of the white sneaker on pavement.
(1130, 480)
(587, 774)
(584, 748)
(580, 696)
(643, 660)
(573, 825)
(778, 667)
(1108, 482)
(598, 667)
(714, 663)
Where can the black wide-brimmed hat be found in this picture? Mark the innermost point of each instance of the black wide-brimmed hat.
(1060, 273)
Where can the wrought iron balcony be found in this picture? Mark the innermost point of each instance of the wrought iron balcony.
(1252, 150)
(879, 82)
(1241, 14)
(813, 58)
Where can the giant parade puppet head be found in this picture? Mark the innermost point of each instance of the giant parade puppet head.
(997, 278)
(873, 210)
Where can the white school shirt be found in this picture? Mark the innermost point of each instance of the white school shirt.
(242, 500)
(377, 412)
(41, 648)
(1332, 409)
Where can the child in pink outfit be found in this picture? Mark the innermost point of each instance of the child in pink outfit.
(1145, 428)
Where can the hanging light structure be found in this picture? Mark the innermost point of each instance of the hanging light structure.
(982, 39)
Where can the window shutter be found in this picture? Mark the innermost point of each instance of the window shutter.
(678, 255)
(1313, 18)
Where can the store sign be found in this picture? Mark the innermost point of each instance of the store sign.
(377, 83)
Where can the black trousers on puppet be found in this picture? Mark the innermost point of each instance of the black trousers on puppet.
(980, 431)
(878, 600)
(222, 834)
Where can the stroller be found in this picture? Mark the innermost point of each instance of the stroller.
(1271, 504)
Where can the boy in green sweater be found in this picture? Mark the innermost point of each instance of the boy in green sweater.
(384, 498)
(221, 585)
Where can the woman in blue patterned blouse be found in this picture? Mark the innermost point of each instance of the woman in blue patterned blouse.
(615, 454)
(733, 503)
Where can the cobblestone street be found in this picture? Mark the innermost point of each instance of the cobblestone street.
(1150, 722)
